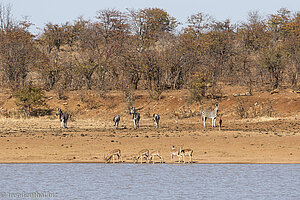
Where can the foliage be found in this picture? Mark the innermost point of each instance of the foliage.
(149, 24)
(272, 59)
(18, 53)
(197, 86)
(143, 49)
(29, 99)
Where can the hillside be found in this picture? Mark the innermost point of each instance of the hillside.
(173, 104)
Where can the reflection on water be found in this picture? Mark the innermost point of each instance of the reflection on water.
(138, 181)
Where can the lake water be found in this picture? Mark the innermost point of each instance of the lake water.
(142, 181)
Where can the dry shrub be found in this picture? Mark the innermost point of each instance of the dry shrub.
(267, 109)
(14, 113)
(257, 110)
(155, 92)
(242, 109)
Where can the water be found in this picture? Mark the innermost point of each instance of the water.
(141, 181)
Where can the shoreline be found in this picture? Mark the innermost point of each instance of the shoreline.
(169, 163)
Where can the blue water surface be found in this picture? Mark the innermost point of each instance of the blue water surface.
(148, 181)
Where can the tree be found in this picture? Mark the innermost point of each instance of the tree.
(18, 53)
(149, 24)
(86, 66)
(151, 27)
(283, 52)
(272, 60)
(251, 37)
(54, 36)
(153, 67)
(277, 23)
(210, 46)
(292, 49)
(100, 44)
(199, 23)
(253, 34)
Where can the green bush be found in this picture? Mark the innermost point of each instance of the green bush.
(30, 99)
(197, 87)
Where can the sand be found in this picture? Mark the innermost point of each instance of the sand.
(41, 140)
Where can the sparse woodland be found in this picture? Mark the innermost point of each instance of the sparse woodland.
(143, 49)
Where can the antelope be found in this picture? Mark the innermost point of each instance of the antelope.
(63, 117)
(176, 152)
(187, 152)
(142, 154)
(135, 117)
(211, 114)
(154, 154)
(116, 120)
(112, 154)
(156, 119)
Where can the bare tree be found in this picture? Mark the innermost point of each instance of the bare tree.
(17, 50)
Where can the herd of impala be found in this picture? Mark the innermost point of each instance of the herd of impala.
(145, 155)
(148, 157)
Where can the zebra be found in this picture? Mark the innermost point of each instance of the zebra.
(116, 120)
(135, 117)
(211, 114)
(156, 119)
(63, 117)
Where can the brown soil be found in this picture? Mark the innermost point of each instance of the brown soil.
(91, 134)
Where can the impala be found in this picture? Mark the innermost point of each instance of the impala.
(142, 154)
(112, 154)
